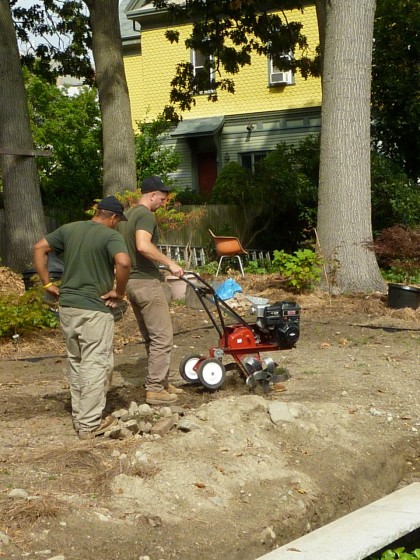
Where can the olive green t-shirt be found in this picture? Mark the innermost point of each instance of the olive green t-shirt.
(87, 249)
(140, 218)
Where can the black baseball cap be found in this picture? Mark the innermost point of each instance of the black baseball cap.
(112, 204)
(154, 183)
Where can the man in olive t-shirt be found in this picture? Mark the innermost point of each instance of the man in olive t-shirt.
(90, 251)
(145, 292)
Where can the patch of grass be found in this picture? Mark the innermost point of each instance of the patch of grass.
(310, 372)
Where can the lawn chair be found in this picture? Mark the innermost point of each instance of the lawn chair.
(229, 247)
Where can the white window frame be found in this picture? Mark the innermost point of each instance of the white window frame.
(197, 67)
(278, 77)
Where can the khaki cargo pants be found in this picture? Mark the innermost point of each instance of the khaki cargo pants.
(89, 339)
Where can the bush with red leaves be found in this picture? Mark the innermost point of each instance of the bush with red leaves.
(398, 247)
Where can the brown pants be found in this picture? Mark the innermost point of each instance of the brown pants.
(151, 309)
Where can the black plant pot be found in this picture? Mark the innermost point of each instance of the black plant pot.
(400, 295)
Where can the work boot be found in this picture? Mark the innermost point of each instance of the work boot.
(173, 390)
(103, 427)
(160, 397)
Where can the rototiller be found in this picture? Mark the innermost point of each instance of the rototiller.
(276, 327)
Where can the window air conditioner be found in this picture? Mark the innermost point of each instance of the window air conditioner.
(281, 78)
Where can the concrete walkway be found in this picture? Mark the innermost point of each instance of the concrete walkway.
(359, 534)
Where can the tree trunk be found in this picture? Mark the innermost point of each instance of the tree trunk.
(24, 217)
(321, 16)
(344, 210)
(118, 137)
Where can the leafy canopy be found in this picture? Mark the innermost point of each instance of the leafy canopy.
(396, 82)
(70, 126)
(227, 33)
(56, 38)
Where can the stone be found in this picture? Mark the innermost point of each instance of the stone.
(202, 415)
(133, 409)
(162, 426)
(268, 536)
(186, 425)
(144, 427)
(18, 493)
(166, 411)
(115, 432)
(4, 539)
(145, 410)
(132, 426)
(279, 412)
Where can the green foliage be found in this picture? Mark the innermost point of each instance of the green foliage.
(191, 196)
(228, 34)
(396, 82)
(70, 126)
(26, 313)
(208, 268)
(400, 553)
(55, 19)
(256, 267)
(395, 197)
(398, 275)
(287, 182)
(234, 185)
(300, 271)
(152, 157)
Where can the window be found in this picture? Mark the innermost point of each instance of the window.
(203, 71)
(279, 77)
(249, 159)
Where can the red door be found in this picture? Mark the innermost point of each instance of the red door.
(207, 171)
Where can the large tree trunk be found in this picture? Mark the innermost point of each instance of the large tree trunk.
(24, 217)
(344, 211)
(118, 136)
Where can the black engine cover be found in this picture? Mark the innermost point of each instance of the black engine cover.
(283, 317)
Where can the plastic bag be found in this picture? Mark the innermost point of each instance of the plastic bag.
(228, 289)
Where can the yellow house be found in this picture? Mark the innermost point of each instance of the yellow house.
(268, 106)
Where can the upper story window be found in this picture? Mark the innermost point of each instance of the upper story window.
(277, 77)
(203, 69)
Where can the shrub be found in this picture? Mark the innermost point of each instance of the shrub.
(25, 313)
(398, 251)
(395, 197)
(300, 271)
(233, 186)
(398, 553)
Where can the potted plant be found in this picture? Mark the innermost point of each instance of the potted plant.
(398, 251)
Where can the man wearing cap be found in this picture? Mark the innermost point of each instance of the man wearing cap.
(145, 292)
(90, 250)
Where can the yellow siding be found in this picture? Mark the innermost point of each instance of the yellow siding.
(149, 76)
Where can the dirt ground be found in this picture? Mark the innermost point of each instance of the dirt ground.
(237, 484)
